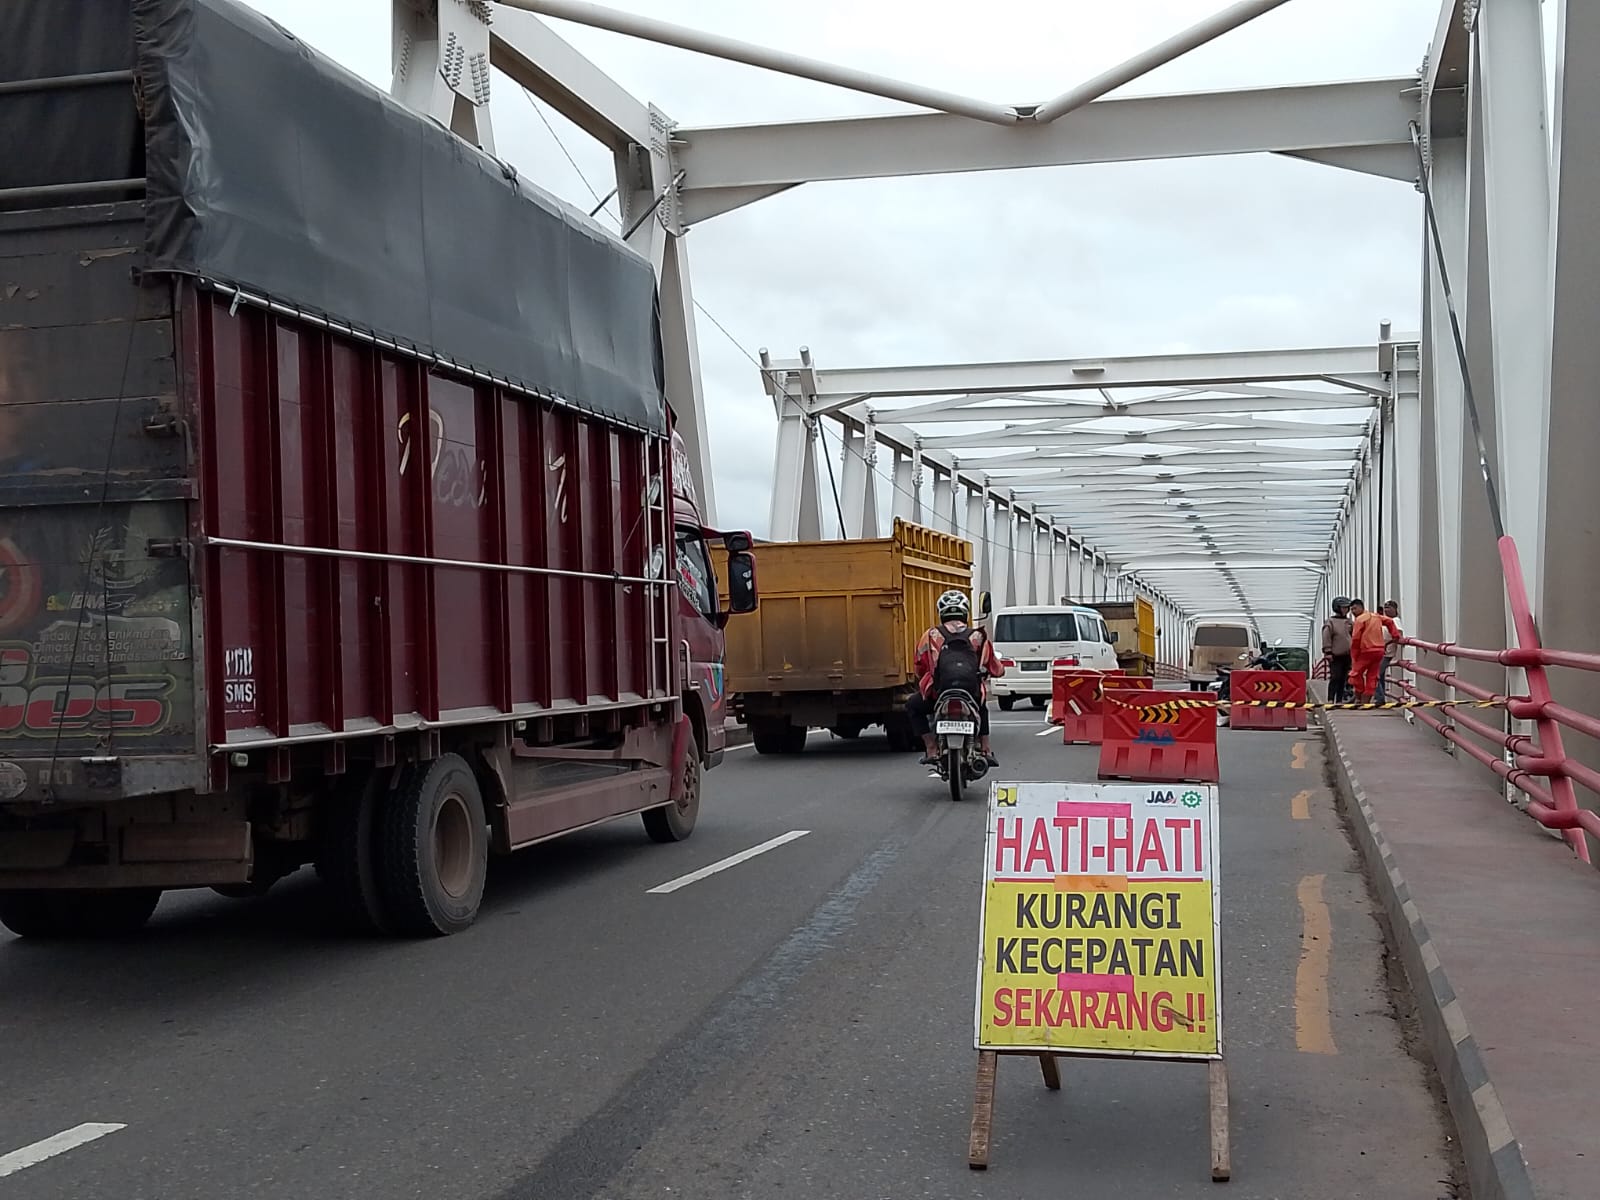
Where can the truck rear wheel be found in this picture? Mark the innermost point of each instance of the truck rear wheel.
(1007, 703)
(68, 914)
(347, 857)
(902, 738)
(433, 849)
(674, 822)
(775, 738)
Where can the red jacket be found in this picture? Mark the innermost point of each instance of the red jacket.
(1367, 636)
(933, 641)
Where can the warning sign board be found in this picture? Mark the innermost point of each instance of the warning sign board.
(1100, 929)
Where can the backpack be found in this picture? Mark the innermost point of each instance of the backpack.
(958, 664)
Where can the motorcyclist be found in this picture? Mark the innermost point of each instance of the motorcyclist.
(954, 611)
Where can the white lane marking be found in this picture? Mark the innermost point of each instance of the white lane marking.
(733, 860)
(71, 1139)
(1048, 730)
(746, 746)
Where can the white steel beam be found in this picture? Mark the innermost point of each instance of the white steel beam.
(1179, 44)
(667, 34)
(681, 357)
(1353, 364)
(979, 527)
(539, 59)
(1071, 411)
(858, 485)
(907, 501)
(1275, 479)
(1372, 116)
(1569, 617)
(1053, 456)
(1448, 56)
(1204, 562)
(1479, 618)
(944, 503)
(1183, 436)
(1509, 44)
(1407, 499)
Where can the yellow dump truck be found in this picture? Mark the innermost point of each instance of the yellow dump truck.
(1133, 624)
(832, 644)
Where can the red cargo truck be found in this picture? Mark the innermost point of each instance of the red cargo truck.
(295, 566)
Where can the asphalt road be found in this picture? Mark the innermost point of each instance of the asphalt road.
(797, 1025)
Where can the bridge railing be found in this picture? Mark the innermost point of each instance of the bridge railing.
(1538, 766)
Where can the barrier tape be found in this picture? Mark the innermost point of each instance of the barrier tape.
(1147, 712)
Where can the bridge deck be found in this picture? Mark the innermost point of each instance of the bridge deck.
(796, 1025)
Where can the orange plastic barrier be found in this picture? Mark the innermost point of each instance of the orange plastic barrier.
(1147, 743)
(1282, 687)
(1075, 701)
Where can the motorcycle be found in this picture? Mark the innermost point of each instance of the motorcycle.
(956, 715)
(1270, 659)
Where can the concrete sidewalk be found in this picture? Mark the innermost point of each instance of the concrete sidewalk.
(1498, 927)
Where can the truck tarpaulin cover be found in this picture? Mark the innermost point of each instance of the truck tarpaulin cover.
(273, 169)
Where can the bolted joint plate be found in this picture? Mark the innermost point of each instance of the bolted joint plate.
(464, 48)
(664, 169)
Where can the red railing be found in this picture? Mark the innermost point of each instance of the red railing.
(1553, 802)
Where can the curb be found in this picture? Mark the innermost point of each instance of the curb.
(1496, 1169)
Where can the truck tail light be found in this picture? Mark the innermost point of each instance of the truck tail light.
(1065, 662)
(1008, 662)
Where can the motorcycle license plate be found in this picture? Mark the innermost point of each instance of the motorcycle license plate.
(967, 727)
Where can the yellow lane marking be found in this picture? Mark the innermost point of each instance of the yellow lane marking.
(1300, 806)
(1313, 1023)
(1297, 756)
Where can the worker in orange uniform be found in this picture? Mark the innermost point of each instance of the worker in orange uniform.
(1366, 649)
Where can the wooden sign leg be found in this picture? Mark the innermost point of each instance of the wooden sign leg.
(1051, 1071)
(982, 1113)
(1221, 1153)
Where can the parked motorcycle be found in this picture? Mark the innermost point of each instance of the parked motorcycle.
(1269, 659)
(956, 716)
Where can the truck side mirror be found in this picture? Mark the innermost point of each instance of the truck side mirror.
(1112, 635)
(737, 543)
(985, 604)
(742, 595)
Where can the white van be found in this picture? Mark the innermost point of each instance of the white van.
(1217, 644)
(1031, 640)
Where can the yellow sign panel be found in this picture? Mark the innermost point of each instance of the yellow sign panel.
(1100, 930)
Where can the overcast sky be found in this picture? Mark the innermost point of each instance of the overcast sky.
(1209, 254)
